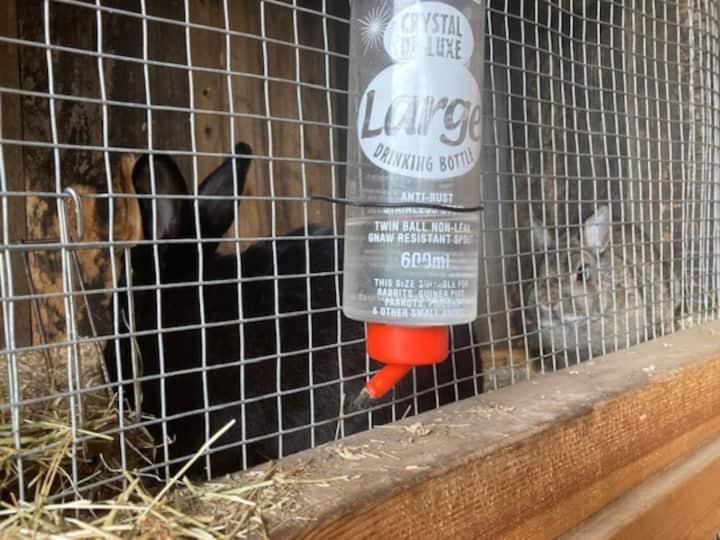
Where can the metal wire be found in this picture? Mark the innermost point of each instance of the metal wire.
(598, 111)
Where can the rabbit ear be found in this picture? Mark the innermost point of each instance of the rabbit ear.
(216, 215)
(173, 216)
(541, 234)
(596, 231)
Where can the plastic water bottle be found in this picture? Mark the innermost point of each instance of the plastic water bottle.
(411, 269)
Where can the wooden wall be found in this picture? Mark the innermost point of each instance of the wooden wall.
(11, 128)
(266, 115)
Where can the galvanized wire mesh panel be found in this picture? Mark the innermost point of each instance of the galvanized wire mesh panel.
(148, 301)
(606, 194)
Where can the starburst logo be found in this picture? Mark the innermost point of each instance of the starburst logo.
(372, 26)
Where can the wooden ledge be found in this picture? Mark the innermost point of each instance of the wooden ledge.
(682, 502)
(533, 460)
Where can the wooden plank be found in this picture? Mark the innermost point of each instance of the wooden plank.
(212, 129)
(529, 461)
(80, 124)
(77, 124)
(169, 86)
(682, 502)
(284, 106)
(503, 365)
(11, 128)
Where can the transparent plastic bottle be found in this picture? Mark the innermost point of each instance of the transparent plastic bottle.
(415, 120)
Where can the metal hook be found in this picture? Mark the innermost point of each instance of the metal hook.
(79, 216)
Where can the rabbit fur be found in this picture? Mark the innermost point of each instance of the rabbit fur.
(590, 295)
(254, 356)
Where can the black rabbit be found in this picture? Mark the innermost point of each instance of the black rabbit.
(257, 367)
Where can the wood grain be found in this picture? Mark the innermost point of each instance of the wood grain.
(11, 128)
(80, 128)
(273, 126)
(681, 502)
(529, 461)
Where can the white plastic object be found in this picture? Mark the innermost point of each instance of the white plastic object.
(414, 136)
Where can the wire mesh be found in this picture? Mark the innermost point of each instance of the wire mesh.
(165, 268)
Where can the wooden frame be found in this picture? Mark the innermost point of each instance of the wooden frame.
(683, 502)
(11, 128)
(537, 459)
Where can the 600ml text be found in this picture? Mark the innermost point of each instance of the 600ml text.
(420, 259)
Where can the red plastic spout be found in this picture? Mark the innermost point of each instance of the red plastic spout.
(401, 348)
(381, 383)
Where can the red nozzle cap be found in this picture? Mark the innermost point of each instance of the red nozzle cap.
(385, 379)
(401, 348)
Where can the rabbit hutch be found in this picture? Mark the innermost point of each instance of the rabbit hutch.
(175, 358)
